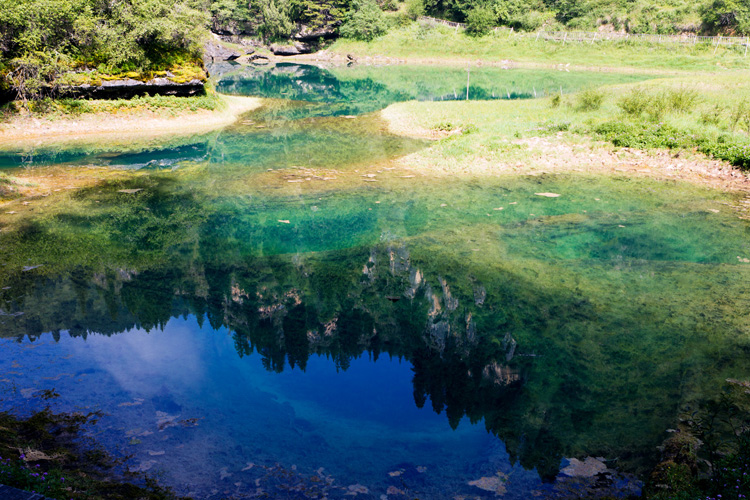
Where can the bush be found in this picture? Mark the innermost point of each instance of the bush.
(635, 103)
(589, 100)
(730, 17)
(276, 24)
(640, 101)
(42, 39)
(480, 21)
(415, 8)
(529, 20)
(645, 136)
(712, 116)
(388, 5)
(740, 116)
(682, 100)
(365, 21)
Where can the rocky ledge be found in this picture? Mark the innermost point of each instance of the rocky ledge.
(292, 49)
(128, 88)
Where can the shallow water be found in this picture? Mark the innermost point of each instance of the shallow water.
(285, 299)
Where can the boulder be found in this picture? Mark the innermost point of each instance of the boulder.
(290, 50)
(214, 52)
(308, 34)
(258, 59)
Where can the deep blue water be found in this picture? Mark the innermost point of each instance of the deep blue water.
(360, 425)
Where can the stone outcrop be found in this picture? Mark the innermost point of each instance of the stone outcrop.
(215, 52)
(293, 49)
(308, 34)
(128, 88)
(258, 59)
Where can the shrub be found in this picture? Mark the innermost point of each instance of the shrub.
(275, 21)
(388, 5)
(645, 136)
(480, 21)
(640, 101)
(415, 8)
(589, 100)
(740, 116)
(712, 116)
(731, 17)
(635, 103)
(365, 21)
(682, 100)
(530, 20)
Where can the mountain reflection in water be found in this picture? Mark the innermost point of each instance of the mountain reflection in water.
(249, 308)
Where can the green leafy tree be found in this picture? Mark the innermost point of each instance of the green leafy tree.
(480, 21)
(147, 33)
(729, 17)
(415, 8)
(365, 22)
(41, 39)
(275, 19)
(320, 13)
(38, 38)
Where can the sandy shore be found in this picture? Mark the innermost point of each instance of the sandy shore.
(125, 125)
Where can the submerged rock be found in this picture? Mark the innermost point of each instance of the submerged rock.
(589, 467)
(494, 484)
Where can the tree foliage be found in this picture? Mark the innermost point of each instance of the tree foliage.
(480, 21)
(729, 17)
(275, 20)
(365, 21)
(40, 39)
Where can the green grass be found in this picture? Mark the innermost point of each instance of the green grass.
(440, 43)
(622, 114)
(170, 105)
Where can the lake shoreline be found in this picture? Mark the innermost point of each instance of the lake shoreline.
(335, 58)
(566, 153)
(20, 131)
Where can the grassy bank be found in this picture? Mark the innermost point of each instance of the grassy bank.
(66, 107)
(560, 132)
(426, 43)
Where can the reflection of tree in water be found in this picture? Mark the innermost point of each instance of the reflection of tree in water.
(459, 334)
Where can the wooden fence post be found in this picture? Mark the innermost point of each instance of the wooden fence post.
(468, 74)
(565, 37)
(717, 44)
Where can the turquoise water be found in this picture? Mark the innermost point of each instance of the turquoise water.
(253, 305)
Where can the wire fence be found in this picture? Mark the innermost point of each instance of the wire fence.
(592, 37)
